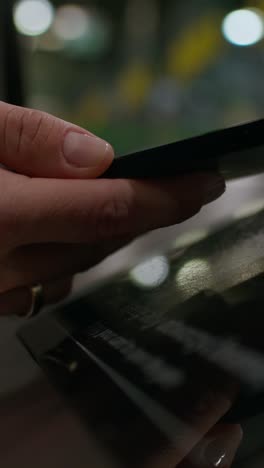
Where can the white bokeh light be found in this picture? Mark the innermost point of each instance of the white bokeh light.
(243, 27)
(193, 277)
(33, 17)
(72, 22)
(152, 273)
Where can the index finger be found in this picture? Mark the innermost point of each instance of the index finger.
(68, 211)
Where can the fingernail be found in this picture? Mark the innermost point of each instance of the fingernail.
(220, 451)
(215, 454)
(84, 151)
(215, 188)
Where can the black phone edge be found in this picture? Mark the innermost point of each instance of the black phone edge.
(201, 152)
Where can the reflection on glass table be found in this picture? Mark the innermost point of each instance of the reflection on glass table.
(165, 364)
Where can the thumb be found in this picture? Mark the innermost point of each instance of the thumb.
(37, 144)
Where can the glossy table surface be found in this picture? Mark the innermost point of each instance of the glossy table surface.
(38, 427)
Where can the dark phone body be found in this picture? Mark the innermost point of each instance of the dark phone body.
(235, 152)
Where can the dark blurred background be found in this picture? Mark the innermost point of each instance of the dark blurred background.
(140, 73)
(144, 72)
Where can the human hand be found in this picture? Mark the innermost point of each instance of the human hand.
(217, 449)
(57, 219)
(206, 442)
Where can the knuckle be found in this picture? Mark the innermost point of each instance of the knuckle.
(23, 129)
(13, 123)
(113, 218)
(36, 129)
(35, 120)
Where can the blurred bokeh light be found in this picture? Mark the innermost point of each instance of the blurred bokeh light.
(194, 276)
(71, 22)
(144, 72)
(33, 17)
(151, 273)
(244, 27)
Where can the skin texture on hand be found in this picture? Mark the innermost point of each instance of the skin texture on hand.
(208, 442)
(36, 144)
(58, 219)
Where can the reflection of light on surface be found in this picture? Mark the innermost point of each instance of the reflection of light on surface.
(152, 273)
(194, 276)
(83, 32)
(33, 17)
(190, 238)
(249, 209)
(71, 22)
(243, 27)
(220, 460)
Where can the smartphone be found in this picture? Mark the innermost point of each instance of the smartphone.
(234, 152)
